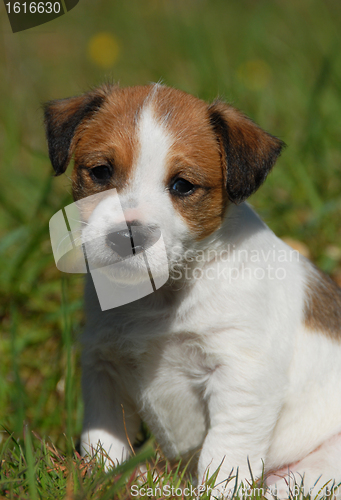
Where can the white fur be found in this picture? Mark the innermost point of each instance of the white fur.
(222, 365)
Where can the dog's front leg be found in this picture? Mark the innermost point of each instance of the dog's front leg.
(109, 418)
(242, 415)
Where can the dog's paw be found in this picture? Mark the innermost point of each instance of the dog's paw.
(281, 490)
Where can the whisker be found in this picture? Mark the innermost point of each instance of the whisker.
(80, 221)
(61, 241)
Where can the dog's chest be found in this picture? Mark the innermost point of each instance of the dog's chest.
(161, 359)
(171, 379)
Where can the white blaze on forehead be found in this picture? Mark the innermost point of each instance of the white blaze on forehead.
(154, 143)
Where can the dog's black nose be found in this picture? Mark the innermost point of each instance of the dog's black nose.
(135, 239)
(120, 242)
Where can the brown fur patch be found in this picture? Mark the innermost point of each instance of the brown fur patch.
(62, 117)
(249, 152)
(323, 304)
(109, 138)
(194, 156)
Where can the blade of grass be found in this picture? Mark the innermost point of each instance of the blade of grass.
(46, 190)
(31, 473)
(18, 396)
(13, 237)
(12, 209)
(67, 342)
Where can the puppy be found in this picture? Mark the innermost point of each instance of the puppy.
(237, 358)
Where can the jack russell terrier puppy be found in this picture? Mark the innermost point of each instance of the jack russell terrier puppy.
(237, 358)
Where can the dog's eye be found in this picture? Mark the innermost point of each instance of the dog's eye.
(181, 186)
(101, 173)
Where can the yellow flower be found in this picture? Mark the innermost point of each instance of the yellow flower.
(254, 74)
(103, 49)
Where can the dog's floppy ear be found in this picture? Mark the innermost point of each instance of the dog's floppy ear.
(248, 152)
(62, 118)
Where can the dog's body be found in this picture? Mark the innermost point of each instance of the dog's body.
(237, 356)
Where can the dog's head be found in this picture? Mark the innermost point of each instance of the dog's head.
(174, 162)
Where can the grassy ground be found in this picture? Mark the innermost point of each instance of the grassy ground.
(278, 61)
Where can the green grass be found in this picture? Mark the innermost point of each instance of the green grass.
(278, 61)
(36, 470)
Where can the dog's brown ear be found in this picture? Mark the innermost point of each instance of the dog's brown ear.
(248, 152)
(62, 118)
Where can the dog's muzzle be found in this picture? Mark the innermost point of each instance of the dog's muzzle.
(116, 257)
